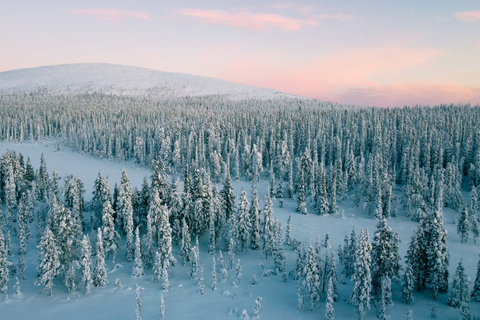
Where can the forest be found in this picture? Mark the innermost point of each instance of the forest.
(414, 164)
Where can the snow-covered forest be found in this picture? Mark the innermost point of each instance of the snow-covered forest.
(249, 208)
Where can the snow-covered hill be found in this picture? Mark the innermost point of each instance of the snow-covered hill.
(128, 80)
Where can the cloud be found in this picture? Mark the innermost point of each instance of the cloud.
(351, 76)
(112, 15)
(411, 94)
(248, 20)
(468, 16)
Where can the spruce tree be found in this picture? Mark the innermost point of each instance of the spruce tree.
(288, 231)
(228, 196)
(214, 275)
(268, 227)
(329, 308)
(50, 264)
(137, 270)
(362, 281)
(86, 264)
(111, 238)
(312, 278)
(243, 224)
(463, 225)
(185, 246)
(408, 284)
(459, 291)
(4, 265)
(476, 287)
(100, 271)
(385, 257)
(255, 235)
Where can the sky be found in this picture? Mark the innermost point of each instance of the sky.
(383, 53)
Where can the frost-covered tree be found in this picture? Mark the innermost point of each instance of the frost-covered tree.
(125, 214)
(476, 287)
(329, 308)
(288, 231)
(137, 269)
(214, 275)
(408, 284)
(459, 290)
(100, 270)
(255, 234)
(86, 265)
(268, 234)
(463, 225)
(243, 222)
(385, 257)
(4, 265)
(111, 238)
(50, 264)
(312, 281)
(164, 234)
(362, 279)
(185, 246)
(228, 196)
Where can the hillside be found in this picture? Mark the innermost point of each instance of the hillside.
(128, 80)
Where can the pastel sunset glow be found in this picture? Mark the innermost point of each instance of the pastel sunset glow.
(368, 53)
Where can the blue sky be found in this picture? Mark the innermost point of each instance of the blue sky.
(383, 53)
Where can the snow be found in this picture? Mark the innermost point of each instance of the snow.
(183, 300)
(128, 80)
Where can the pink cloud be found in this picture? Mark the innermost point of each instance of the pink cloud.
(468, 16)
(248, 20)
(112, 15)
(353, 77)
(411, 94)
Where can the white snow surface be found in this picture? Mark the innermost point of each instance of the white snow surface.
(183, 300)
(125, 80)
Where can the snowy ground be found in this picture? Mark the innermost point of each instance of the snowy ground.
(183, 300)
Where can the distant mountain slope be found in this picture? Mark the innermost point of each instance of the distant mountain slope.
(119, 79)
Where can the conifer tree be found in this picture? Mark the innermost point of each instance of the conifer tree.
(137, 270)
(329, 309)
(463, 225)
(385, 257)
(243, 224)
(362, 281)
(4, 265)
(157, 267)
(111, 238)
(149, 249)
(408, 284)
(458, 293)
(312, 278)
(100, 271)
(214, 275)
(125, 214)
(288, 231)
(476, 287)
(228, 196)
(86, 264)
(268, 227)
(50, 264)
(164, 235)
(211, 233)
(255, 238)
(185, 246)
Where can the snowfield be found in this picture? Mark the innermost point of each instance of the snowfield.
(183, 300)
